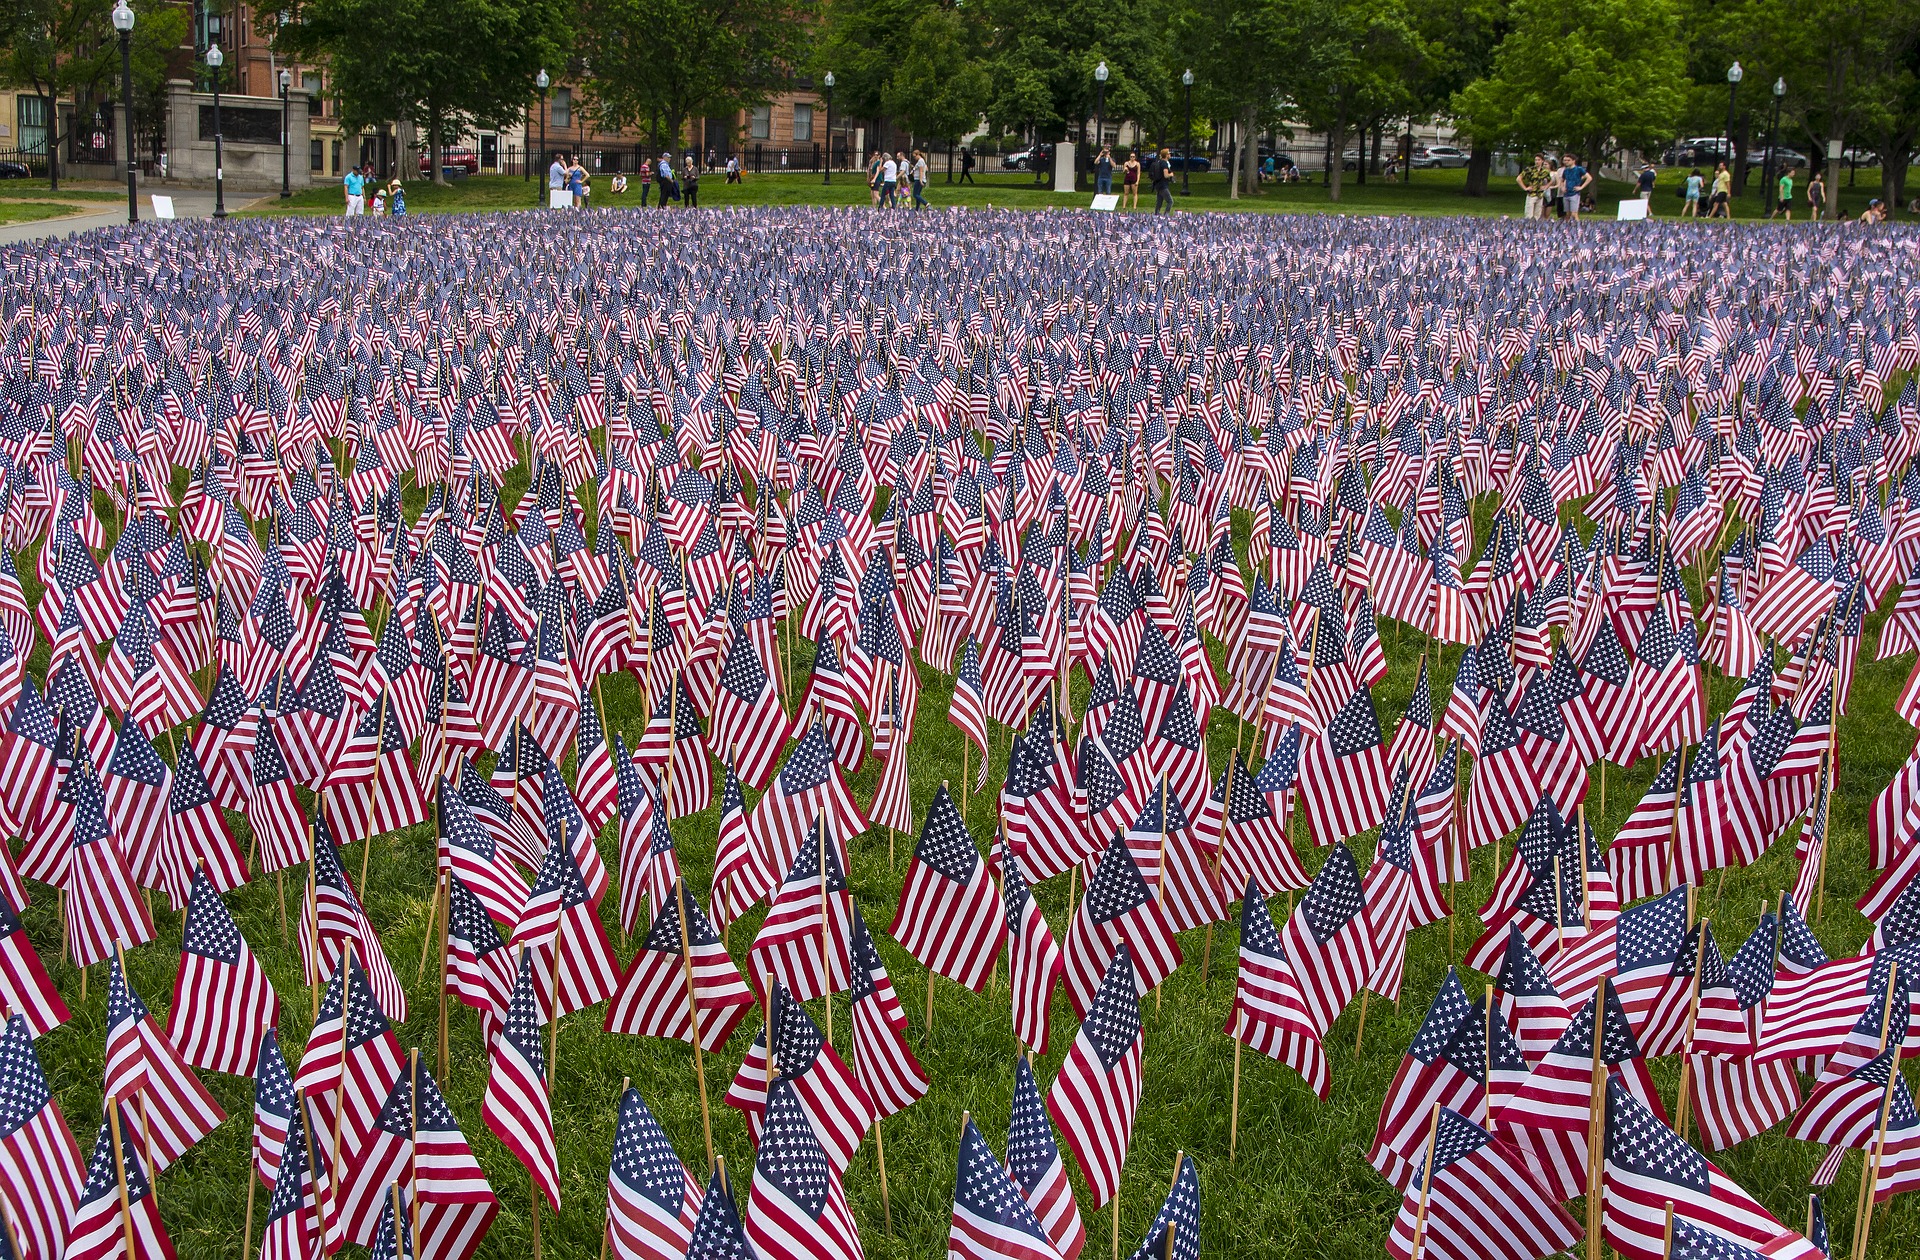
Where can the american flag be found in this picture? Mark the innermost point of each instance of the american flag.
(479, 963)
(1175, 1233)
(740, 877)
(991, 1218)
(1269, 1009)
(298, 1224)
(887, 1069)
(1344, 774)
(1649, 1167)
(967, 710)
(1034, 1163)
(104, 909)
(476, 859)
(1528, 1000)
(351, 1059)
(102, 1228)
(796, 945)
(1331, 943)
(799, 1208)
(747, 717)
(25, 986)
(652, 1200)
(275, 1109)
(332, 922)
(378, 1157)
(717, 1231)
(1473, 1197)
(560, 926)
(393, 1238)
(1118, 912)
(808, 787)
(221, 997)
(516, 1107)
(176, 1111)
(652, 998)
(1097, 1092)
(40, 1169)
(948, 916)
(1034, 965)
(457, 1206)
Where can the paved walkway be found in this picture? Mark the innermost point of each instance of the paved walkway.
(188, 203)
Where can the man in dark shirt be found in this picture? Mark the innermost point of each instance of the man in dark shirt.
(1160, 171)
(1574, 182)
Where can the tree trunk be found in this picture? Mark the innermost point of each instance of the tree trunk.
(1326, 162)
(435, 152)
(1337, 140)
(1479, 167)
(1373, 164)
(1233, 160)
(1249, 155)
(1360, 165)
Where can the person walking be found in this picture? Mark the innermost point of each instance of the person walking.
(1575, 179)
(1720, 204)
(875, 164)
(1817, 196)
(1783, 205)
(1103, 171)
(1643, 185)
(889, 181)
(918, 174)
(356, 188)
(1160, 170)
(733, 168)
(966, 165)
(646, 182)
(690, 183)
(669, 191)
(1130, 181)
(1696, 182)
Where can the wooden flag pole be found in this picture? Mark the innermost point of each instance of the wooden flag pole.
(1486, 1063)
(340, 1086)
(1596, 1129)
(1666, 1234)
(120, 1173)
(1426, 1185)
(446, 928)
(413, 1150)
(313, 1165)
(1864, 1204)
(1233, 1122)
(693, 1015)
(880, 1154)
(1116, 1222)
(1684, 1107)
(826, 962)
(533, 1205)
(433, 918)
(246, 1229)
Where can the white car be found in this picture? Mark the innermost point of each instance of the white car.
(1433, 155)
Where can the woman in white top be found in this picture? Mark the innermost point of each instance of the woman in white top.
(919, 169)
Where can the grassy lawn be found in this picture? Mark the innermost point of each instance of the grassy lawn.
(1428, 193)
(35, 211)
(1300, 1185)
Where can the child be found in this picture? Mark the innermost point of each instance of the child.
(379, 200)
(396, 198)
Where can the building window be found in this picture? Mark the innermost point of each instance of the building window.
(31, 113)
(562, 113)
(760, 122)
(803, 122)
(336, 157)
(311, 82)
(317, 156)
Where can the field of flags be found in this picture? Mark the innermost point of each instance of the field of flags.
(786, 735)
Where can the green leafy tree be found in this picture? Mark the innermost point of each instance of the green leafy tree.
(443, 65)
(60, 49)
(1585, 74)
(658, 63)
(939, 86)
(1457, 43)
(1351, 54)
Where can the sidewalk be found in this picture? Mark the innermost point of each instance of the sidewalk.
(188, 203)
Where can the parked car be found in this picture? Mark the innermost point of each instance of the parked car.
(1784, 159)
(461, 159)
(1438, 155)
(14, 170)
(1197, 163)
(1033, 157)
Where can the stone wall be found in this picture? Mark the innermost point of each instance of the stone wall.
(250, 145)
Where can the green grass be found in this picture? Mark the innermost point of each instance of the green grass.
(1440, 192)
(1300, 1185)
(35, 211)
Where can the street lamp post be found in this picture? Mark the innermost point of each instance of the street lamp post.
(1186, 141)
(286, 137)
(216, 59)
(826, 167)
(542, 81)
(1100, 73)
(123, 23)
(1734, 75)
(1773, 133)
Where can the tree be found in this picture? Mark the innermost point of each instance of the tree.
(657, 62)
(1241, 55)
(939, 85)
(1458, 39)
(1589, 75)
(442, 65)
(59, 48)
(1352, 52)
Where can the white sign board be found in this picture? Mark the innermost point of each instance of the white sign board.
(162, 206)
(1105, 201)
(559, 199)
(1631, 210)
